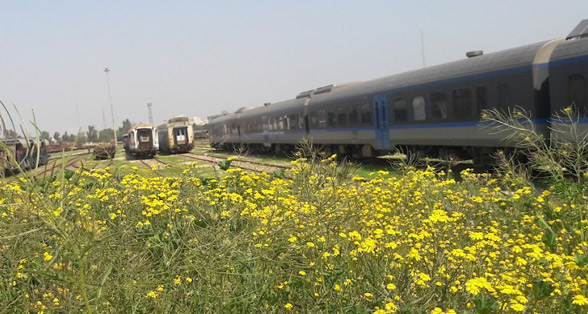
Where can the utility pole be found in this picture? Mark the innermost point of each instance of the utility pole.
(106, 70)
(150, 112)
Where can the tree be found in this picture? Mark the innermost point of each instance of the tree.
(10, 134)
(105, 135)
(65, 137)
(57, 137)
(126, 126)
(45, 135)
(80, 139)
(92, 134)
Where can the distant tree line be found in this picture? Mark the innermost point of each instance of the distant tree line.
(91, 135)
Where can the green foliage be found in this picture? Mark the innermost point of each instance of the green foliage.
(225, 164)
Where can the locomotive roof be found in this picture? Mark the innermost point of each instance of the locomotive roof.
(490, 62)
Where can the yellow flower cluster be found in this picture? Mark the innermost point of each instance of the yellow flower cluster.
(314, 239)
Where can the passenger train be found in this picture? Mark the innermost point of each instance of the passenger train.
(432, 111)
(141, 141)
(176, 135)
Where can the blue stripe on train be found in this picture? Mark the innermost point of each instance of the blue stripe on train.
(582, 120)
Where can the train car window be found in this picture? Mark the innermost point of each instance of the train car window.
(400, 110)
(462, 103)
(439, 105)
(503, 95)
(300, 122)
(341, 116)
(293, 122)
(418, 108)
(366, 114)
(281, 123)
(577, 93)
(481, 98)
(353, 115)
(331, 118)
(313, 119)
(322, 119)
(275, 124)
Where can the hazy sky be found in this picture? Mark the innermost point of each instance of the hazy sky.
(199, 58)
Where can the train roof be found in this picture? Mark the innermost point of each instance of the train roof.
(501, 60)
(22, 141)
(180, 118)
(13, 141)
(222, 118)
(575, 45)
(251, 112)
(282, 106)
(141, 126)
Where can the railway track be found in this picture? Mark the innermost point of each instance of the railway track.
(250, 165)
(55, 165)
(149, 163)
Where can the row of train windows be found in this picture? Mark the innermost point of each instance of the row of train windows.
(275, 123)
(353, 115)
(285, 122)
(462, 104)
(361, 114)
(415, 108)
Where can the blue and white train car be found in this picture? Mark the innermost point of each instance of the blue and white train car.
(434, 111)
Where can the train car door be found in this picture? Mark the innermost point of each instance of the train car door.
(380, 105)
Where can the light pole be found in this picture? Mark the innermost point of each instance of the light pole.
(150, 112)
(106, 70)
